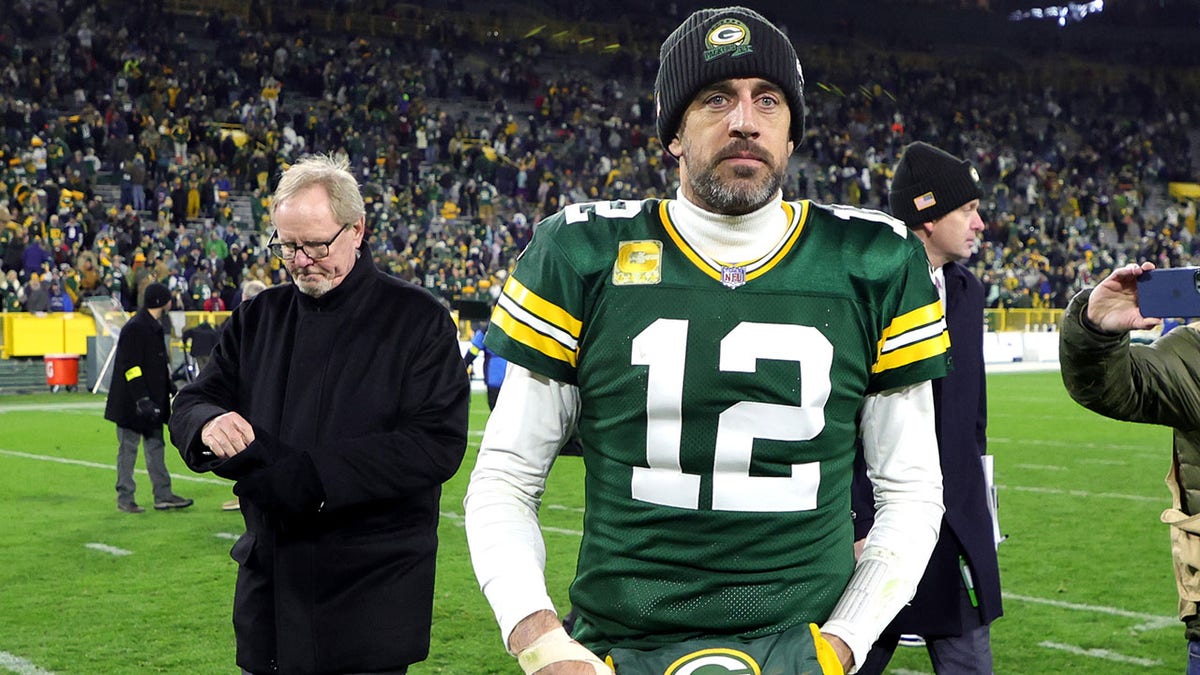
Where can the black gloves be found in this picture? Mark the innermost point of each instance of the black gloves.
(289, 486)
(147, 410)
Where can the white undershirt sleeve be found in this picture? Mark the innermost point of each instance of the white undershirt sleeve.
(534, 416)
(900, 447)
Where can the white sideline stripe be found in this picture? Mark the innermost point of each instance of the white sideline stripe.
(1105, 654)
(50, 407)
(1041, 467)
(227, 535)
(1084, 493)
(20, 666)
(111, 467)
(1149, 621)
(105, 548)
(560, 507)
(1069, 444)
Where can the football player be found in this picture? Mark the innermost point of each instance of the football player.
(717, 353)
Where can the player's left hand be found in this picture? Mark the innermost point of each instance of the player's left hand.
(845, 656)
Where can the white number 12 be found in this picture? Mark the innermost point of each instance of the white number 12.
(662, 347)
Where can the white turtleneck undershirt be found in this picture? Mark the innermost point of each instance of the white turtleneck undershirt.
(731, 240)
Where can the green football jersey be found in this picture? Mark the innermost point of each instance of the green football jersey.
(719, 406)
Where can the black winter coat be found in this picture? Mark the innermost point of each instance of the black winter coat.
(140, 368)
(359, 406)
(960, 411)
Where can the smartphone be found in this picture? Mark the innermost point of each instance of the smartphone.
(1172, 292)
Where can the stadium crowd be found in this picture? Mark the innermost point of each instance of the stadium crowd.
(463, 141)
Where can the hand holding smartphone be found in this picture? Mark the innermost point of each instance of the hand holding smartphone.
(1170, 293)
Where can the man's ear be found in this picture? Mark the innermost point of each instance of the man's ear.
(675, 148)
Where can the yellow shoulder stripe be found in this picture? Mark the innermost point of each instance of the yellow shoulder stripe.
(921, 316)
(912, 353)
(542, 308)
(529, 337)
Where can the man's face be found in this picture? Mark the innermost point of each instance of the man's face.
(733, 145)
(953, 236)
(306, 218)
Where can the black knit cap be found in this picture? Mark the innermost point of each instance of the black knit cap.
(719, 44)
(929, 182)
(156, 296)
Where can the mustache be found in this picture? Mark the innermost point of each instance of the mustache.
(744, 147)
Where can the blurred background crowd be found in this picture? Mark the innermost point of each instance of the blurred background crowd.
(140, 140)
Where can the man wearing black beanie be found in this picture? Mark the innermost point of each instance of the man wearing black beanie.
(718, 354)
(139, 402)
(937, 196)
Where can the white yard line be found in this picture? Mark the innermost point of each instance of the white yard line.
(1105, 654)
(1073, 445)
(1085, 493)
(1148, 621)
(105, 548)
(51, 407)
(111, 467)
(15, 664)
(1040, 467)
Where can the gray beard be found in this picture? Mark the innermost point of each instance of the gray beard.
(727, 200)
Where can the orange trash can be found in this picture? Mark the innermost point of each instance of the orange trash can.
(62, 370)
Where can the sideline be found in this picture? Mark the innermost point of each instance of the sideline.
(110, 467)
(51, 407)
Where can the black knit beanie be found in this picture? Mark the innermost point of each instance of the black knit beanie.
(929, 182)
(719, 44)
(156, 296)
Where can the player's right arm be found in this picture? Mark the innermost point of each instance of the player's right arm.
(534, 416)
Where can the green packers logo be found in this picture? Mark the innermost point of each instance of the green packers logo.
(715, 662)
(731, 37)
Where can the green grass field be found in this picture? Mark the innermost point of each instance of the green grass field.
(1086, 568)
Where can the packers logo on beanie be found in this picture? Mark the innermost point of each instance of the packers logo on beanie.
(929, 182)
(720, 44)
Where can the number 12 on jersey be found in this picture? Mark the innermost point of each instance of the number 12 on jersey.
(660, 348)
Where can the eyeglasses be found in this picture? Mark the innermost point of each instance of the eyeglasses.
(315, 250)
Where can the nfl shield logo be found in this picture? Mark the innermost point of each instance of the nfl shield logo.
(733, 277)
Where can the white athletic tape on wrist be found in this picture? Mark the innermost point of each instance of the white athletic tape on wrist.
(554, 647)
